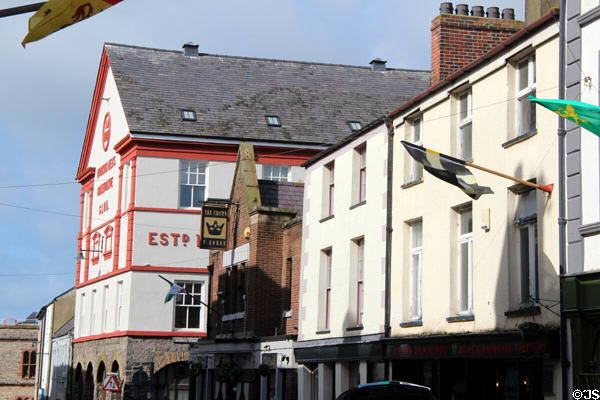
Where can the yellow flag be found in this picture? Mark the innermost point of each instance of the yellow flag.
(57, 14)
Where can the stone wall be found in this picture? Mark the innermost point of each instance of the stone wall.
(14, 341)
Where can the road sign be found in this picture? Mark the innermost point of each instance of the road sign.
(111, 384)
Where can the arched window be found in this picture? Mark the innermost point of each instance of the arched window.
(28, 365)
(96, 248)
(108, 242)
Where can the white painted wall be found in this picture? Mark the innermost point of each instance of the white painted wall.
(367, 220)
(590, 143)
(159, 239)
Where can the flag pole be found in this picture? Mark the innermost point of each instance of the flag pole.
(545, 188)
(7, 12)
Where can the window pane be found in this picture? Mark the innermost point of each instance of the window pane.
(26, 357)
(523, 74)
(524, 256)
(266, 172)
(284, 174)
(466, 221)
(185, 196)
(32, 369)
(463, 105)
(416, 234)
(201, 179)
(194, 317)
(197, 288)
(180, 317)
(466, 143)
(25, 371)
(464, 276)
(198, 196)
(525, 109)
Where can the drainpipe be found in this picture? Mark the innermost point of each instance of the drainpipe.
(388, 239)
(562, 222)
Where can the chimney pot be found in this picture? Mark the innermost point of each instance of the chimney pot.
(446, 8)
(378, 64)
(190, 49)
(477, 11)
(508, 13)
(462, 9)
(493, 12)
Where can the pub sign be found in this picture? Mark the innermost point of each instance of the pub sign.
(214, 228)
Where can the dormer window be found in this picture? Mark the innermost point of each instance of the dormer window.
(188, 115)
(273, 120)
(355, 125)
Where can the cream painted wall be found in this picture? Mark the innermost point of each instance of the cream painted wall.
(495, 278)
(367, 220)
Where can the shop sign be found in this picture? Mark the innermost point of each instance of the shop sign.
(214, 227)
(473, 349)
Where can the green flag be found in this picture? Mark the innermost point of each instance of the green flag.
(583, 114)
(174, 290)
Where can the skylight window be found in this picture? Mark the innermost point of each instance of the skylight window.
(355, 125)
(273, 120)
(188, 115)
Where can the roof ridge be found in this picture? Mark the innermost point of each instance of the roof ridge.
(263, 58)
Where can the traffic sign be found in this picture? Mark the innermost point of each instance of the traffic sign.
(111, 384)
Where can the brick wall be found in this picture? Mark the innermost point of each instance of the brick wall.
(457, 40)
(266, 277)
(13, 342)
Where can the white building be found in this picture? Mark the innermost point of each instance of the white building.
(162, 138)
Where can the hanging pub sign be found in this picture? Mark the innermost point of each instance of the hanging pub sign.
(213, 232)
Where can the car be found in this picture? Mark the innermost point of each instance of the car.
(388, 390)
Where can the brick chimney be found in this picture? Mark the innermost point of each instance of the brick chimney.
(458, 39)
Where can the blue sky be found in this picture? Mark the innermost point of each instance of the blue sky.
(46, 92)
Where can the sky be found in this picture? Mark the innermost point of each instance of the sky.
(46, 92)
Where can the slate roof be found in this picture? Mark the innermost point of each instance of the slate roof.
(232, 95)
(69, 327)
(281, 194)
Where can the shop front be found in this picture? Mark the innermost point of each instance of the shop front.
(494, 366)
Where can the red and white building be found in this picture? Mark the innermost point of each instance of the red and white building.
(162, 138)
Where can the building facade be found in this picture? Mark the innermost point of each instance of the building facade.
(54, 347)
(249, 354)
(582, 282)
(18, 344)
(475, 280)
(155, 150)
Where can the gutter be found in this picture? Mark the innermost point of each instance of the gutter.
(388, 239)
(562, 222)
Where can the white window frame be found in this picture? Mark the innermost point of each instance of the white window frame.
(361, 152)
(360, 279)
(328, 259)
(118, 305)
(416, 130)
(185, 175)
(522, 94)
(528, 290)
(183, 297)
(93, 312)
(330, 187)
(464, 124)
(279, 177)
(465, 238)
(104, 324)
(416, 272)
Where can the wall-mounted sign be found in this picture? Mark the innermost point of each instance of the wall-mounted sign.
(106, 132)
(213, 231)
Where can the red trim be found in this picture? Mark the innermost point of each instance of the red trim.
(131, 214)
(108, 222)
(169, 269)
(170, 210)
(143, 268)
(117, 236)
(141, 333)
(93, 118)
